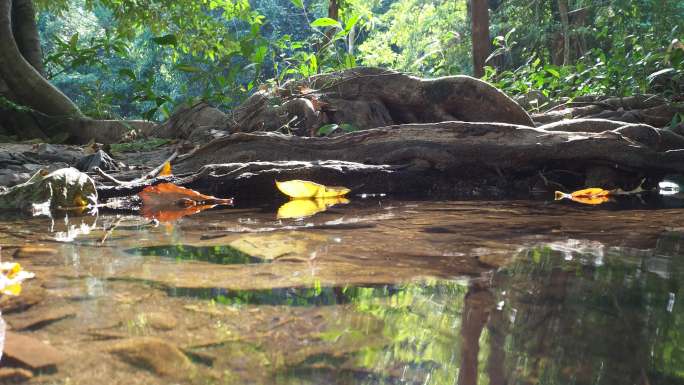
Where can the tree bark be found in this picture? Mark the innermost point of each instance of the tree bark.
(333, 9)
(454, 159)
(26, 33)
(565, 30)
(23, 80)
(479, 21)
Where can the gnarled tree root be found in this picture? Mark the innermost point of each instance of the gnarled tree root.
(445, 160)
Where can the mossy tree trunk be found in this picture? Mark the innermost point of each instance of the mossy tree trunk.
(30, 106)
(21, 66)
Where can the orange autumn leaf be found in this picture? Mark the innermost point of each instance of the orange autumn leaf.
(592, 200)
(170, 195)
(587, 196)
(590, 192)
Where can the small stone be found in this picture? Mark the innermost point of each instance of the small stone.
(14, 375)
(39, 318)
(99, 159)
(34, 252)
(31, 352)
(160, 321)
(155, 355)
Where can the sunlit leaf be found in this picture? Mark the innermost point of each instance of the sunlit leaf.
(307, 189)
(170, 195)
(590, 192)
(11, 277)
(588, 196)
(166, 169)
(300, 208)
(326, 22)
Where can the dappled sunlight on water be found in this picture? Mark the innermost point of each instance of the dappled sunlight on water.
(379, 292)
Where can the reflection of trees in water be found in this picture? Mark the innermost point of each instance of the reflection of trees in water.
(570, 314)
(580, 322)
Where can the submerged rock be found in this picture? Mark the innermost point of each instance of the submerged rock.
(31, 352)
(35, 252)
(31, 294)
(155, 355)
(160, 320)
(39, 318)
(14, 375)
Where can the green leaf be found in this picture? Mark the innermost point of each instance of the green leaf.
(352, 22)
(73, 42)
(326, 22)
(552, 71)
(166, 40)
(326, 129)
(298, 3)
(127, 72)
(188, 68)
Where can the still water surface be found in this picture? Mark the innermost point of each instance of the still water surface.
(373, 292)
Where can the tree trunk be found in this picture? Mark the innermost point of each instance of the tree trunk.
(479, 20)
(43, 109)
(26, 33)
(333, 10)
(565, 30)
(24, 81)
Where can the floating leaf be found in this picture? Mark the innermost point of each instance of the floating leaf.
(11, 277)
(307, 189)
(589, 196)
(300, 208)
(169, 195)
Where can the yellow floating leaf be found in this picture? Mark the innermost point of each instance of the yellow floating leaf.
(587, 196)
(13, 289)
(590, 192)
(11, 277)
(591, 200)
(10, 269)
(166, 169)
(307, 189)
(300, 208)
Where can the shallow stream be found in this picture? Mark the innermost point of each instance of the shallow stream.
(372, 292)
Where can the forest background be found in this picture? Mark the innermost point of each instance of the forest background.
(127, 59)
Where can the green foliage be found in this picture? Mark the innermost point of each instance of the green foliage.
(420, 36)
(621, 48)
(123, 59)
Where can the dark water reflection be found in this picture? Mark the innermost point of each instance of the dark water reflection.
(388, 293)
